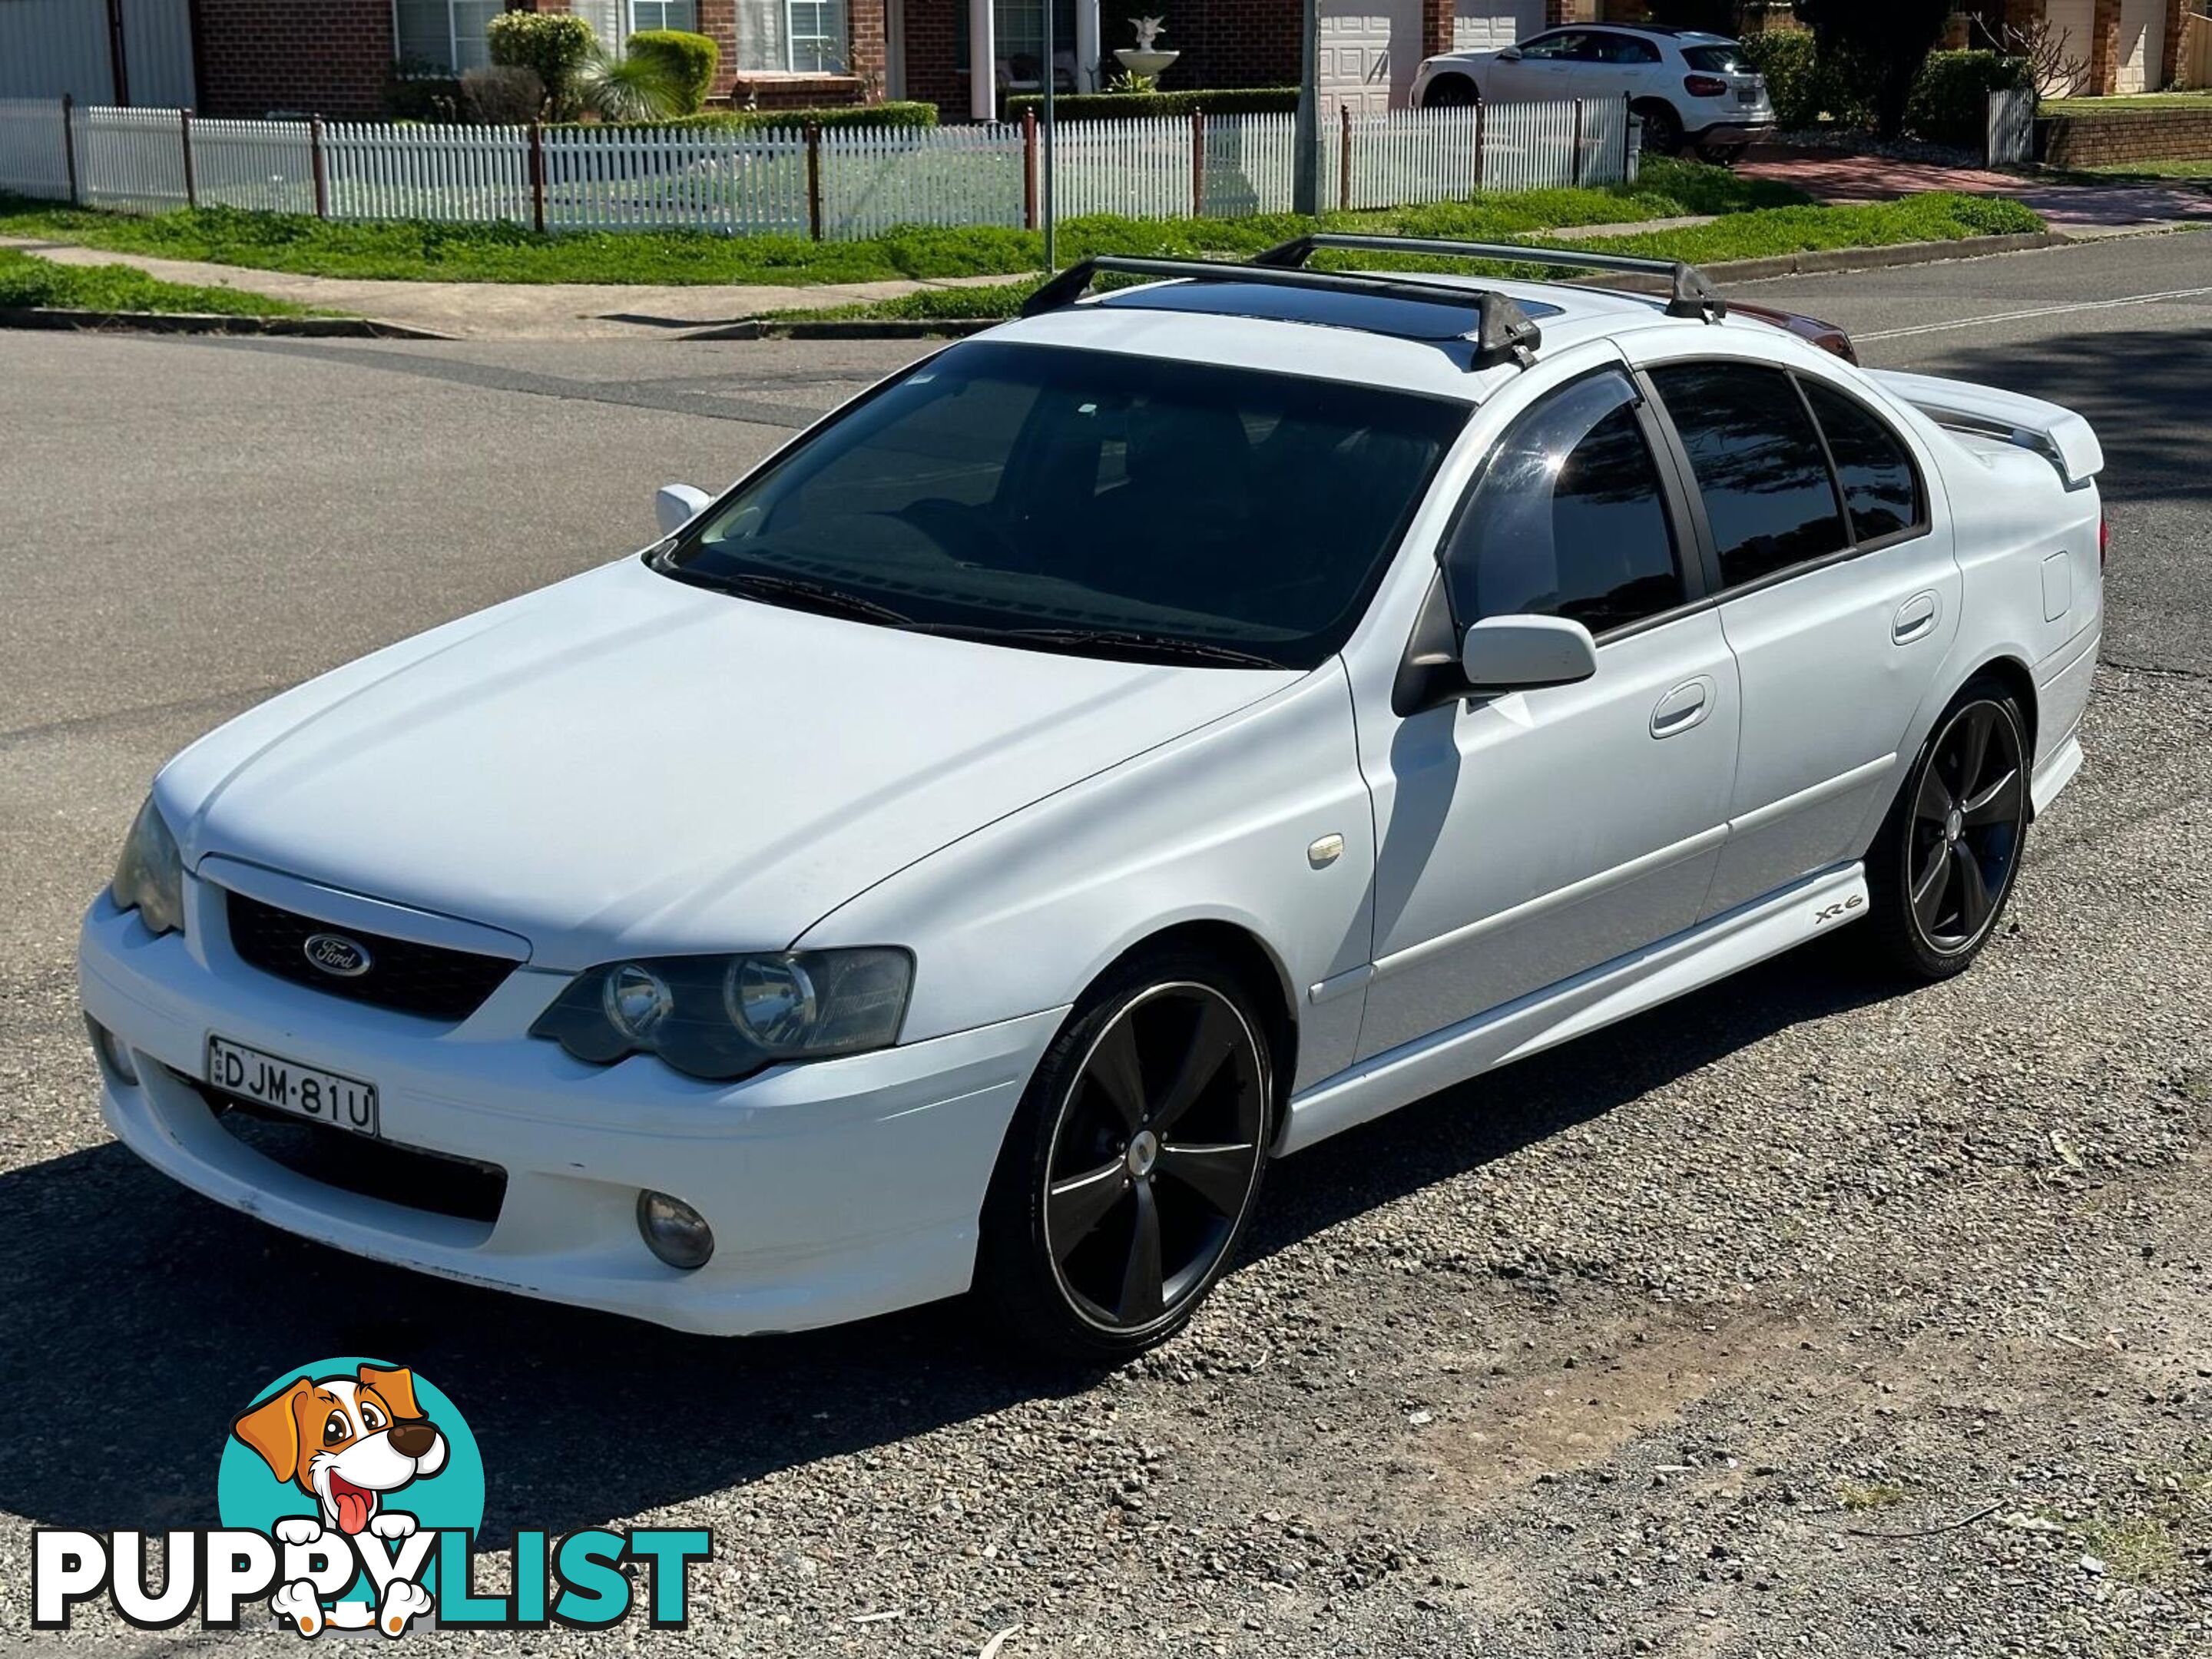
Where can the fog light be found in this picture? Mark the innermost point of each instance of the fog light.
(114, 1059)
(673, 1231)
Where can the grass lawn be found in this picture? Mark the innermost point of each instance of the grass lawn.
(509, 253)
(27, 281)
(2134, 103)
(1939, 217)
(2176, 167)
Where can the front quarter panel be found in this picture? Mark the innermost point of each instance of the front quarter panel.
(1215, 826)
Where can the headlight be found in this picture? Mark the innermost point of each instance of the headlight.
(149, 876)
(727, 1016)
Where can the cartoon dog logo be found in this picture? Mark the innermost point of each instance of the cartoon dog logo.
(347, 1442)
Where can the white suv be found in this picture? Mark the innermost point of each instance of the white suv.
(1694, 91)
(1142, 740)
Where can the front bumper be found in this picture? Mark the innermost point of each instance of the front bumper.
(836, 1190)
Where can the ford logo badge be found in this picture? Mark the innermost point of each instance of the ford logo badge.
(334, 953)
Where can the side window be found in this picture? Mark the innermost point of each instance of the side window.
(1759, 466)
(1545, 47)
(1880, 489)
(1626, 49)
(1568, 518)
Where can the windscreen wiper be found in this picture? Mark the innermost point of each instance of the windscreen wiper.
(1113, 639)
(810, 596)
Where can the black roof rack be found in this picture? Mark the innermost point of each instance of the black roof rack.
(1503, 332)
(1693, 295)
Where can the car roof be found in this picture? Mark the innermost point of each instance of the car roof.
(1382, 340)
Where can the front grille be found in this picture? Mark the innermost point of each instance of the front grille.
(456, 1187)
(414, 979)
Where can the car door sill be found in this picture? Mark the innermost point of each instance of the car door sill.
(1612, 991)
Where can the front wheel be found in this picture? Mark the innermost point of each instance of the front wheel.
(1945, 862)
(1450, 91)
(1133, 1163)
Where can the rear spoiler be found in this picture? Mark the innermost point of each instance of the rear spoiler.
(2059, 435)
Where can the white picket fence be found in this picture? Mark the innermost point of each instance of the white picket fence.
(838, 183)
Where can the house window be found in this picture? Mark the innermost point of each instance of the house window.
(445, 35)
(787, 37)
(664, 14)
(1017, 31)
(613, 21)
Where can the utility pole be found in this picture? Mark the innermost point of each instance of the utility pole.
(1305, 161)
(1051, 74)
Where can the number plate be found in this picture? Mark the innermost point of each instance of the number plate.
(303, 1091)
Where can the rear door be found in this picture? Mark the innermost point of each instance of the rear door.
(1838, 594)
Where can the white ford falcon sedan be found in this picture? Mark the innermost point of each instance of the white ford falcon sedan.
(1128, 745)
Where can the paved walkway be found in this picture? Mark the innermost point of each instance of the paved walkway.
(2078, 209)
(504, 311)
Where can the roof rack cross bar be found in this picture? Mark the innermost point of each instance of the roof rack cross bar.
(1503, 332)
(1693, 294)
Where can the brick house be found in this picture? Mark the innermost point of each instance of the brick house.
(336, 57)
(2126, 46)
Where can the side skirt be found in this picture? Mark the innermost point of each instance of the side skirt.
(1543, 1019)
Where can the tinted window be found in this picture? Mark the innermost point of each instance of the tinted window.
(1759, 463)
(1553, 46)
(1568, 518)
(1625, 49)
(1000, 487)
(1718, 60)
(1880, 487)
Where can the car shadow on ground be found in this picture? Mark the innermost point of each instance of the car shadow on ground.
(141, 1318)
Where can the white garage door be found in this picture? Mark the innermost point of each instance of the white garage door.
(2142, 40)
(1368, 52)
(2071, 19)
(1486, 25)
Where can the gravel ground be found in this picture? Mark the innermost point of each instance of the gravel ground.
(1797, 1318)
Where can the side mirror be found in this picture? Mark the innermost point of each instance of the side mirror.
(1520, 653)
(1509, 54)
(677, 505)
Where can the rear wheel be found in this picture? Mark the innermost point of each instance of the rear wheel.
(1133, 1163)
(1662, 127)
(1721, 156)
(1944, 864)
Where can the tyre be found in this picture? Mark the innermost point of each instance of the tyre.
(1662, 127)
(1721, 156)
(1450, 91)
(1943, 865)
(1133, 1162)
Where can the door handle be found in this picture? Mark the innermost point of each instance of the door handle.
(1683, 707)
(1915, 618)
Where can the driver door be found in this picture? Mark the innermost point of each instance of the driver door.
(1526, 837)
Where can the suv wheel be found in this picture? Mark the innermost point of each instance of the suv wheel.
(1133, 1163)
(1662, 127)
(1945, 862)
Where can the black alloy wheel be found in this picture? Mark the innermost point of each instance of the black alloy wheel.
(1132, 1166)
(1662, 127)
(1947, 860)
(1450, 91)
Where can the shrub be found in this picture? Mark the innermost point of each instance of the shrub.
(1136, 106)
(688, 60)
(1807, 83)
(1949, 103)
(502, 94)
(418, 90)
(553, 45)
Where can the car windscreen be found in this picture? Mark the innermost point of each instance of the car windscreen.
(1719, 60)
(1088, 501)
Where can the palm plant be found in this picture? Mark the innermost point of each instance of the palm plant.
(626, 88)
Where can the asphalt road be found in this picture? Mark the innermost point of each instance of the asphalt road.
(1695, 1338)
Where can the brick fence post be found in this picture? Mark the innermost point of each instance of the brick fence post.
(185, 145)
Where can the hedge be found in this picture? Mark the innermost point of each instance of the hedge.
(1950, 98)
(1136, 106)
(553, 44)
(688, 60)
(1805, 86)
